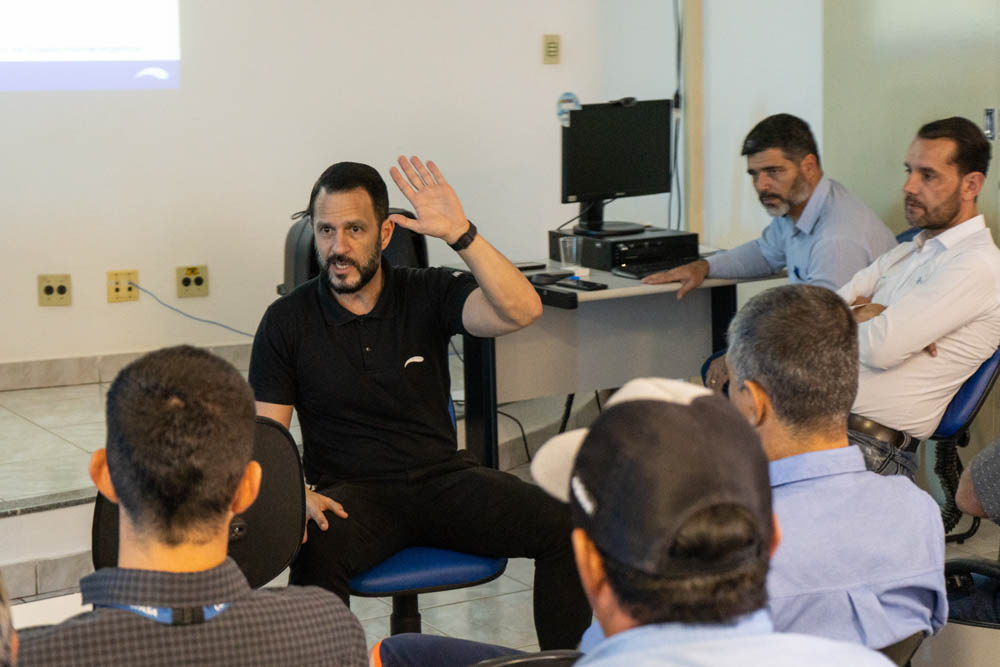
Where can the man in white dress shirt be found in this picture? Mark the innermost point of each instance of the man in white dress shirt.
(928, 310)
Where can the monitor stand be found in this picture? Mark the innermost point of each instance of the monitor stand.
(592, 222)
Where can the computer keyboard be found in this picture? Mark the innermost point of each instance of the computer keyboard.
(637, 271)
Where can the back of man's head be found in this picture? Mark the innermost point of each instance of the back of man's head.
(345, 176)
(972, 150)
(180, 435)
(799, 343)
(783, 131)
(670, 484)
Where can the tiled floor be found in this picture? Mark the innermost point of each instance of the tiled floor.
(46, 436)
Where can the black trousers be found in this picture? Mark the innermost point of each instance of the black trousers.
(458, 505)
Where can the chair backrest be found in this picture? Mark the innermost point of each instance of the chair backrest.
(405, 248)
(557, 658)
(907, 234)
(264, 539)
(969, 399)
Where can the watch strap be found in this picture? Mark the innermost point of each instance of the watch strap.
(465, 239)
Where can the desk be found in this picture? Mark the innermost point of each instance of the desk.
(611, 336)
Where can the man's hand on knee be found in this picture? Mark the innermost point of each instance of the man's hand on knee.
(316, 505)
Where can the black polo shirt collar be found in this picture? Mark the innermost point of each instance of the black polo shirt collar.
(335, 315)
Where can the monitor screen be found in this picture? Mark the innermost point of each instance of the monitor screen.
(616, 150)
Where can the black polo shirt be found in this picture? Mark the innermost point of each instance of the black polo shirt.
(371, 391)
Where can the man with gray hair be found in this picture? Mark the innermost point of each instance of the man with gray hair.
(844, 570)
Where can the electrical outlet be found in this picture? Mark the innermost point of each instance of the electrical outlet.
(192, 281)
(551, 49)
(54, 289)
(119, 288)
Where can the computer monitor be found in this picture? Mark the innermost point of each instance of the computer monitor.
(618, 149)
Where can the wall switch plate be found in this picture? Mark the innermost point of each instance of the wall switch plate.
(118, 286)
(55, 289)
(551, 49)
(192, 281)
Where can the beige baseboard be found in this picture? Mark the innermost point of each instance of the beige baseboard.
(87, 370)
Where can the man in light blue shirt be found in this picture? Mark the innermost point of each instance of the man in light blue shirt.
(820, 232)
(845, 569)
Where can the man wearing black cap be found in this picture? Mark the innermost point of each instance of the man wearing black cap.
(673, 533)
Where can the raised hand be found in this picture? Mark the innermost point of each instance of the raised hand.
(439, 212)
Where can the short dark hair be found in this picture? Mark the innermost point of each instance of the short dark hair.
(180, 434)
(710, 535)
(344, 176)
(800, 344)
(972, 150)
(789, 133)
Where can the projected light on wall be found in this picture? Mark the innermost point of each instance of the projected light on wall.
(89, 44)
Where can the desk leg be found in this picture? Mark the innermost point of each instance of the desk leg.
(723, 310)
(481, 399)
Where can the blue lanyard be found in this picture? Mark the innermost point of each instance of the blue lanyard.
(173, 615)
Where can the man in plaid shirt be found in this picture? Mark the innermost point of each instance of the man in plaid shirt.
(177, 462)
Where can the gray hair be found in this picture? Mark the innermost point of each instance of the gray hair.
(800, 344)
(6, 625)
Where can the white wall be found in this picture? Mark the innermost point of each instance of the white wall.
(761, 58)
(271, 93)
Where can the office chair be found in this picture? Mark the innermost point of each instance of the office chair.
(907, 234)
(405, 248)
(415, 570)
(963, 642)
(264, 539)
(953, 432)
(555, 658)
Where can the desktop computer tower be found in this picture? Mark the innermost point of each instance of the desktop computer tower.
(648, 246)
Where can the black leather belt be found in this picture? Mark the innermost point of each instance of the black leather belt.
(898, 439)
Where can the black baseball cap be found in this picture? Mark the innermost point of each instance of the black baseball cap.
(662, 451)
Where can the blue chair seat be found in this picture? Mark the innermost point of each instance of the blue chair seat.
(416, 570)
(423, 570)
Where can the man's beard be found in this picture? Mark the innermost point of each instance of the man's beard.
(798, 194)
(365, 271)
(937, 218)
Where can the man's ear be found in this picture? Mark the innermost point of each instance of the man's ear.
(101, 476)
(972, 185)
(759, 403)
(775, 533)
(810, 166)
(386, 229)
(247, 489)
(589, 564)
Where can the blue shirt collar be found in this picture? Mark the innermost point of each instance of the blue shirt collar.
(816, 464)
(656, 635)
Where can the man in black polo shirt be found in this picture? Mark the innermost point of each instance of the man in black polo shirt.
(361, 352)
